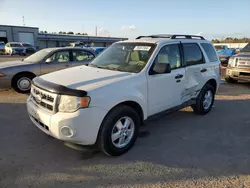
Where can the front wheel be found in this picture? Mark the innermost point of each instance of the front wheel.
(205, 100)
(119, 131)
(22, 83)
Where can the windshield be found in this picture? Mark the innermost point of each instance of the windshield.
(15, 45)
(125, 57)
(38, 56)
(246, 48)
(27, 45)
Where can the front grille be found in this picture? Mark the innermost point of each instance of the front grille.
(44, 99)
(245, 74)
(243, 62)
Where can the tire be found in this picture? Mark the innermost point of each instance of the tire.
(106, 142)
(200, 107)
(22, 83)
(231, 80)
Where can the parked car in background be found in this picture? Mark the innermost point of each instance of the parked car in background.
(18, 74)
(30, 49)
(104, 104)
(98, 50)
(239, 66)
(76, 44)
(13, 48)
(2, 47)
(224, 53)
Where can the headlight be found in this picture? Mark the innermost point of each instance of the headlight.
(2, 75)
(72, 103)
(231, 62)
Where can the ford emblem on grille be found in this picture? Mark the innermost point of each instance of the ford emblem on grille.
(38, 99)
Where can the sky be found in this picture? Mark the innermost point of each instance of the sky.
(131, 18)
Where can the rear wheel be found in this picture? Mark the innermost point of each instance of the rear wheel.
(22, 83)
(231, 80)
(119, 131)
(205, 100)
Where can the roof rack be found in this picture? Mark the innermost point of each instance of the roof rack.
(173, 36)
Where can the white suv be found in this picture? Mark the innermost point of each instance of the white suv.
(105, 103)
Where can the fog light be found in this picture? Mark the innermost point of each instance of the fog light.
(66, 131)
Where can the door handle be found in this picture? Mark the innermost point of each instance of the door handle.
(203, 70)
(178, 76)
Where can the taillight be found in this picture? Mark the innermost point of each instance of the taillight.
(220, 69)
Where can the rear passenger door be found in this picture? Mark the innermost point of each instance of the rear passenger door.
(196, 69)
(81, 57)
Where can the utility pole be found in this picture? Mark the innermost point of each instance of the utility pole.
(23, 21)
(95, 30)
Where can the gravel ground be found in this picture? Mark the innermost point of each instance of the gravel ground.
(180, 150)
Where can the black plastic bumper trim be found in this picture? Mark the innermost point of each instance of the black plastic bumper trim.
(56, 88)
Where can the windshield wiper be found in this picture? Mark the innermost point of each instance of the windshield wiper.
(94, 65)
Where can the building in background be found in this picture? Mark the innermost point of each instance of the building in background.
(31, 35)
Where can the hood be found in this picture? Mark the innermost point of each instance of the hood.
(9, 64)
(85, 78)
(243, 54)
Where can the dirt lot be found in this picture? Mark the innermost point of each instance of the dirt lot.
(181, 150)
(4, 58)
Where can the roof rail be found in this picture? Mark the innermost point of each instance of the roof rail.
(173, 36)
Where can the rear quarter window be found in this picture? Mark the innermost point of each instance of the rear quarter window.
(211, 53)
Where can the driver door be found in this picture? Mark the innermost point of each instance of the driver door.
(165, 88)
(57, 61)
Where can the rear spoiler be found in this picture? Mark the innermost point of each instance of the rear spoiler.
(56, 88)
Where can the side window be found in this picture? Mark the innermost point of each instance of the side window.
(82, 56)
(211, 54)
(192, 54)
(169, 54)
(60, 57)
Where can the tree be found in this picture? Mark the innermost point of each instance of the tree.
(45, 32)
(70, 33)
(232, 40)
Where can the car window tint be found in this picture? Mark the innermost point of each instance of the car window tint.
(82, 56)
(211, 53)
(168, 54)
(192, 54)
(60, 57)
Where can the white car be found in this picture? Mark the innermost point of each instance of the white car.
(13, 48)
(105, 103)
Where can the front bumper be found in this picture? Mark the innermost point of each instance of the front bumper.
(84, 123)
(18, 52)
(238, 73)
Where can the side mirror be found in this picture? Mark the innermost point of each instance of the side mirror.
(49, 60)
(168, 68)
(160, 68)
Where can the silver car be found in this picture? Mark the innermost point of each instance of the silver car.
(19, 74)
